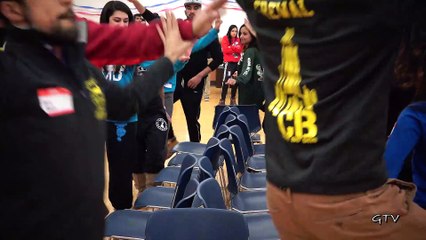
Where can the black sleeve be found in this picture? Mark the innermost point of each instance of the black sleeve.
(411, 15)
(122, 103)
(215, 51)
(419, 22)
(149, 16)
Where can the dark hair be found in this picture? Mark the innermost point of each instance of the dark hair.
(107, 11)
(253, 42)
(410, 64)
(112, 6)
(228, 34)
(137, 15)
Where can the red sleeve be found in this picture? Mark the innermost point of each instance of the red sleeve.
(127, 45)
(226, 47)
(237, 48)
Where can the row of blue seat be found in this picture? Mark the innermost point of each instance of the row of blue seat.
(246, 184)
(131, 224)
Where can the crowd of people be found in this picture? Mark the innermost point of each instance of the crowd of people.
(321, 70)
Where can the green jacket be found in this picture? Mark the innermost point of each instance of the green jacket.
(250, 78)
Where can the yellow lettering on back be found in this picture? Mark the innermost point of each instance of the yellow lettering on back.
(283, 10)
(273, 10)
(293, 105)
(305, 12)
(294, 10)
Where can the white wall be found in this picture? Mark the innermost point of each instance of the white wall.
(231, 14)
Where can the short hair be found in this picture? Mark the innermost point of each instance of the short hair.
(137, 15)
(112, 6)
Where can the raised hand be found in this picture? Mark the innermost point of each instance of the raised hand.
(138, 6)
(203, 21)
(249, 27)
(217, 23)
(174, 46)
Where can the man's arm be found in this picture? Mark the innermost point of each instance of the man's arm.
(120, 101)
(217, 56)
(137, 43)
(205, 41)
(130, 45)
(146, 14)
(208, 38)
(150, 16)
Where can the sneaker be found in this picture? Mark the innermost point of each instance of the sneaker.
(221, 102)
(233, 101)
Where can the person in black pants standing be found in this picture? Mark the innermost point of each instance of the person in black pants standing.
(190, 80)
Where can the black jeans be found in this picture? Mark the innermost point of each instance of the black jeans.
(191, 104)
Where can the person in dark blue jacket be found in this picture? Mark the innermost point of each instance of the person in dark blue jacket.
(407, 141)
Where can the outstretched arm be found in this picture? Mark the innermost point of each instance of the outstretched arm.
(147, 15)
(137, 43)
(208, 38)
(121, 102)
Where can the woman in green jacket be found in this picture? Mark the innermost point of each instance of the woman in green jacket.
(250, 71)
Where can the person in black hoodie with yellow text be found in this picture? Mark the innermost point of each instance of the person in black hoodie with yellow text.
(328, 71)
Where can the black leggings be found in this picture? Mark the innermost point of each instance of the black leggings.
(121, 149)
(230, 68)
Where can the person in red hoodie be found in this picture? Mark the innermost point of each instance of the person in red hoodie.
(231, 49)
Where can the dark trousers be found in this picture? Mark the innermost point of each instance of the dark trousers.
(229, 69)
(171, 133)
(152, 139)
(191, 103)
(122, 152)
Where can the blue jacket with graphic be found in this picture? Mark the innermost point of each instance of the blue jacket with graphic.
(122, 77)
(409, 136)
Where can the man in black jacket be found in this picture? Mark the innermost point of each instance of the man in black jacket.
(52, 107)
(190, 80)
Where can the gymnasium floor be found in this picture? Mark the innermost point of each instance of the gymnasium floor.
(180, 129)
